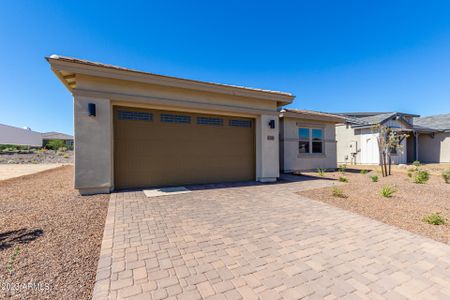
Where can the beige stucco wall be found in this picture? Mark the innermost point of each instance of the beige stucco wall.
(94, 170)
(434, 149)
(292, 160)
(267, 149)
(344, 136)
(139, 92)
(93, 146)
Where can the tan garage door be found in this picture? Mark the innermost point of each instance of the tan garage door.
(166, 148)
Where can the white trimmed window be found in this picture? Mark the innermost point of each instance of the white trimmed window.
(310, 140)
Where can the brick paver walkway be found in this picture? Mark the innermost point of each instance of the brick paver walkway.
(261, 242)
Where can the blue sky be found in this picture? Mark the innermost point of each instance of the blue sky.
(333, 55)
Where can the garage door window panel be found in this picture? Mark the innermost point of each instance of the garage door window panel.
(134, 115)
(209, 121)
(240, 123)
(172, 118)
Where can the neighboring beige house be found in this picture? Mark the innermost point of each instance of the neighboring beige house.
(357, 138)
(433, 138)
(53, 135)
(10, 135)
(307, 140)
(135, 129)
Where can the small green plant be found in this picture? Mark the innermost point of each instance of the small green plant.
(410, 174)
(421, 177)
(364, 171)
(446, 176)
(338, 193)
(343, 179)
(387, 191)
(374, 178)
(416, 163)
(66, 155)
(342, 168)
(12, 259)
(321, 171)
(434, 219)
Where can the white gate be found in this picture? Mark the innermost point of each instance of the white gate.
(369, 149)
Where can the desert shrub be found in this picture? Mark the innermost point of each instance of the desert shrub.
(364, 171)
(410, 174)
(3, 147)
(338, 193)
(343, 179)
(14, 148)
(421, 177)
(54, 144)
(321, 171)
(446, 176)
(416, 163)
(387, 191)
(374, 178)
(342, 168)
(434, 219)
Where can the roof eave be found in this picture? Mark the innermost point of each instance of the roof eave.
(59, 65)
(310, 116)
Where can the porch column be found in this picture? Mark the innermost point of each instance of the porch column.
(267, 151)
(416, 143)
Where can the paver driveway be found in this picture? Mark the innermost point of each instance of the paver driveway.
(264, 242)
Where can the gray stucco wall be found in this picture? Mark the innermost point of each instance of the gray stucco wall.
(292, 160)
(434, 149)
(10, 135)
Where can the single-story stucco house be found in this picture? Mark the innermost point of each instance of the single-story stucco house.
(307, 140)
(53, 135)
(10, 135)
(357, 137)
(135, 129)
(434, 138)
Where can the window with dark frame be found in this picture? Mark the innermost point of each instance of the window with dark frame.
(303, 143)
(316, 140)
(310, 140)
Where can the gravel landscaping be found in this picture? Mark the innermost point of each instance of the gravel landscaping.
(410, 203)
(50, 237)
(41, 156)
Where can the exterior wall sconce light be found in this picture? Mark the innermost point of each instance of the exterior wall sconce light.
(272, 124)
(92, 110)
